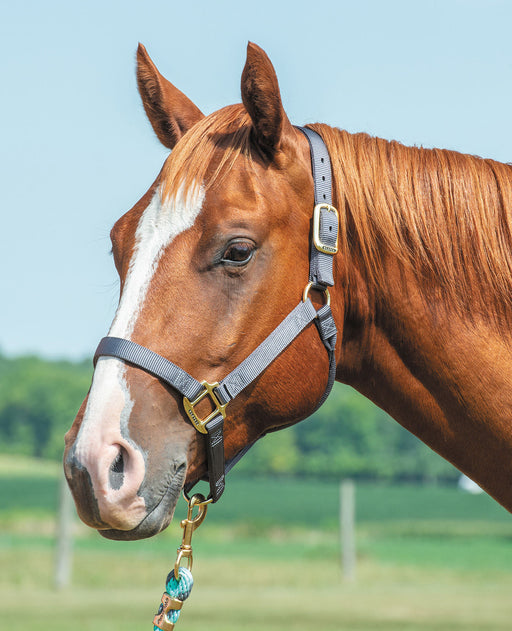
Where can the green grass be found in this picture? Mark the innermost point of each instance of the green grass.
(251, 588)
(429, 559)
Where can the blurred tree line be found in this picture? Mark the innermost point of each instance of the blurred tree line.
(348, 436)
(38, 401)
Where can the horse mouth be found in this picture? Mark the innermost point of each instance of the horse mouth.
(158, 518)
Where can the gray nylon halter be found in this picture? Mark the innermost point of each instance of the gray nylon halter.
(324, 245)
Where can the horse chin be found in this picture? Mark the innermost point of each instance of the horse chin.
(158, 518)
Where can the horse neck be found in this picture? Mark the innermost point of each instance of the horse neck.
(442, 372)
(443, 377)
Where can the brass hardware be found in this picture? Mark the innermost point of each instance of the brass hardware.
(317, 241)
(220, 408)
(325, 290)
(167, 604)
(189, 525)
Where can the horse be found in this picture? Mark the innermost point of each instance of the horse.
(215, 255)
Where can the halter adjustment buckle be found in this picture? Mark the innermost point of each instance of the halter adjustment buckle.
(219, 408)
(321, 246)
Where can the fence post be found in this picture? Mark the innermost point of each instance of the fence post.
(63, 553)
(347, 530)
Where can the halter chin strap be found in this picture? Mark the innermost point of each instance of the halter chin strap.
(324, 245)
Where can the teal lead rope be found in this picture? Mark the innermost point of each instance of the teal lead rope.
(175, 591)
(178, 584)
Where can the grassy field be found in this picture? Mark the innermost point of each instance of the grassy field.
(429, 558)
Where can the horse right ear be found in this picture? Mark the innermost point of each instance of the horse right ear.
(169, 111)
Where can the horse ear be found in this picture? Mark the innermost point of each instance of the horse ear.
(262, 99)
(169, 111)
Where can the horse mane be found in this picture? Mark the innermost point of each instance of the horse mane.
(444, 215)
(195, 161)
(447, 216)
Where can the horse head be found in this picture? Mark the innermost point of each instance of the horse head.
(211, 259)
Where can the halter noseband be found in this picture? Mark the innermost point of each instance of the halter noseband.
(323, 248)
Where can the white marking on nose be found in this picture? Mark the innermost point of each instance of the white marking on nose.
(104, 427)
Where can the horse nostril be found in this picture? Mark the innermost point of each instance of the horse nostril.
(116, 473)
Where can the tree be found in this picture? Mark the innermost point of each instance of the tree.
(38, 401)
(348, 436)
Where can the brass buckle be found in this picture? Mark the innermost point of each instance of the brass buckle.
(319, 245)
(220, 408)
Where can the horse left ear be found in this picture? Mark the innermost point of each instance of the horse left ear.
(262, 100)
(170, 112)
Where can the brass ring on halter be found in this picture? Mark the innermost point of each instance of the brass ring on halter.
(325, 290)
(197, 499)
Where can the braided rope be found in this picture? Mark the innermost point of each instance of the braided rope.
(179, 589)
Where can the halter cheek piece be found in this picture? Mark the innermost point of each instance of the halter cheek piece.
(324, 246)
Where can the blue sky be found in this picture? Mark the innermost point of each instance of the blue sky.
(76, 150)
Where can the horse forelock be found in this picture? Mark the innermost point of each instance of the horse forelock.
(447, 216)
(206, 152)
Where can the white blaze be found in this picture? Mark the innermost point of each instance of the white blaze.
(159, 225)
(104, 425)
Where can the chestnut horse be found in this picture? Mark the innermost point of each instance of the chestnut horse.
(216, 254)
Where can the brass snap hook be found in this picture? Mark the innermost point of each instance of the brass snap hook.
(189, 525)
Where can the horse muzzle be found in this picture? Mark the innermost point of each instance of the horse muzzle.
(112, 497)
(124, 486)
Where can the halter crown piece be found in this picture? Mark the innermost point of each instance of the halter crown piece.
(324, 245)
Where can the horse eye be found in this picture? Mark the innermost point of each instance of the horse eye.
(238, 253)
